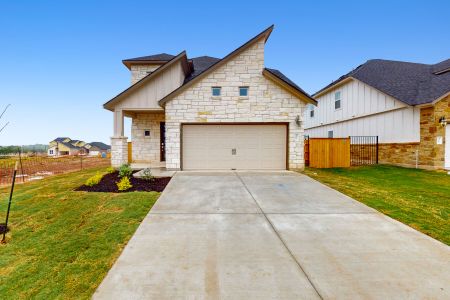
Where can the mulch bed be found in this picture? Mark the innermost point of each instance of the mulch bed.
(108, 184)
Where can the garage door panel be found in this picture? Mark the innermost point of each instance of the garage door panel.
(256, 147)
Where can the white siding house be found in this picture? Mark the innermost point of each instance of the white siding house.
(355, 108)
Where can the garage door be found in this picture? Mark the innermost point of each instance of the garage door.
(225, 147)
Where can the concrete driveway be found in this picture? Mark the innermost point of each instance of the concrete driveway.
(272, 235)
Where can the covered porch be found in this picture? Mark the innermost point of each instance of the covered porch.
(146, 146)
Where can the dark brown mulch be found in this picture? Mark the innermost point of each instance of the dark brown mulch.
(109, 184)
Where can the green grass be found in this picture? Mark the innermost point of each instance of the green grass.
(418, 198)
(62, 243)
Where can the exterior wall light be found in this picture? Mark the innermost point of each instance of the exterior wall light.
(297, 121)
(443, 122)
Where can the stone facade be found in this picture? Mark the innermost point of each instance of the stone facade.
(266, 102)
(140, 71)
(146, 149)
(119, 151)
(428, 153)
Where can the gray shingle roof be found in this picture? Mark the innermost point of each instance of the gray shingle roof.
(201, 64)
(411, 83)
(100, 145)
(154, 57)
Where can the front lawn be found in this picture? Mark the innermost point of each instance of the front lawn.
(62, 242)
(418, 198)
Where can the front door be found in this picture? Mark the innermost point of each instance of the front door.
(447, 147)
(162, 141)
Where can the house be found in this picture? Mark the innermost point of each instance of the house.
(407, 105)
(210, 113)
(62, 146)
(97, 149)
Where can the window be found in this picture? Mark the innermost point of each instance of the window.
(330, 134)
(146, 132)
(216, 91)
(50, 151)
(243, 91)
(337, 100)
(311, 111)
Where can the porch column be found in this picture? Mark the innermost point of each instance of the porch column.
(119, 142)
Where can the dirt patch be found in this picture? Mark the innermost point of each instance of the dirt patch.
(109, 184)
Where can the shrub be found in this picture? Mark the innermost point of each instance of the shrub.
(94, 180)
(125, 171)
(124, 184)
(147, 174)
(110, 170)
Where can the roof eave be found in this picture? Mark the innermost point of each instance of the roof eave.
(289, 88)
(333, 86)
(128, 63)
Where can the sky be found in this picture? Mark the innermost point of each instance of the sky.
(61, 60)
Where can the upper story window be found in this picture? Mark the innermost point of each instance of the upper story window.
(243, 91)
(337, 100)
(330, 134)
(216, 91)
(311, 111)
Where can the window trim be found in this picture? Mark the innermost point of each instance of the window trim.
(338, 100)
(330, 136)
(219, 88)
(243, 88)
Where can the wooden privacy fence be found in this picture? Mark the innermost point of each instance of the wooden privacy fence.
(329, 152)
(341, 152)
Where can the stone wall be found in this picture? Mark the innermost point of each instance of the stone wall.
(266, 102)
(119, 151)
(428, 153)
(146, 149)
(140, 71)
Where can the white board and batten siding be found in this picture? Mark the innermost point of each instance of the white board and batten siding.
(364, 111)
(148, 96)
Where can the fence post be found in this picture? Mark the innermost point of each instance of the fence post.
(377, 149)
(81, 162)
(5, 229)
(21, 166)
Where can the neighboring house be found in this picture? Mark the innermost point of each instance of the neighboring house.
(406, 104)
(210, 113)
(62, 146)
(97, 149)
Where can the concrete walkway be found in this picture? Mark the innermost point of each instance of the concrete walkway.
(272, 235)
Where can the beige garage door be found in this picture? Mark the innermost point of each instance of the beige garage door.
(240, 147)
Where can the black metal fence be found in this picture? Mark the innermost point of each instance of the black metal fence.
(363, 150)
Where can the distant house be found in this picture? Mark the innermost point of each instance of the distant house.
(97, 149)
(407, 105)
(63, 146)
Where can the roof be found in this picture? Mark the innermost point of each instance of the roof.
(149, 59)
(200, 64)
(100, 145)
(69, 145)
(292, 84)
(157, 72)
(210, 68)
(411, 83)
(60, 139)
